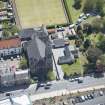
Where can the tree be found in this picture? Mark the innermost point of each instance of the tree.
(50, 75)
(94, 5)
(87, 28)
(97, 24)
(100, 37)
(101, 44)
(77, 4)
(100, 64)
(23, 63)
(99, 7)
(89, 5)
(86, 44)
(93, 54)
(6, 33)
(80, 33)
(14, 29)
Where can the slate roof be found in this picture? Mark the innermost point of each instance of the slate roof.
(27, 33)
(68, 57)
(36, 49)
(58, 43)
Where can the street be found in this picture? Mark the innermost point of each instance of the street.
(56, 86)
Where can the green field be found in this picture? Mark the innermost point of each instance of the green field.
(37, 12)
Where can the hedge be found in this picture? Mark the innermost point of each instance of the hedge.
(57, 25)
(67, 11)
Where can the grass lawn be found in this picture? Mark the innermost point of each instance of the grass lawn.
(37, 12)
(71, 69)
(75, 67)
(74, 13)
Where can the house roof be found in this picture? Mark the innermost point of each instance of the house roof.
(67, 58)
(59, 43)
(36, 49)
(27, 33)
(10, 43)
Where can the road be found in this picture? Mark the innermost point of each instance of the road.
(60, 85)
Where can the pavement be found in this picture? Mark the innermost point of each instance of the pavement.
(57, 53)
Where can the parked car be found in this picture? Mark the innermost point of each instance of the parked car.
(8, 94)
(11, 58)
(84, 17)
(101, 93)
(86, 98)
(80, 80)
(89, 96)
(83, 98)
(18, 57)
(72, 80)
(71, 26)
(87, 14)
(47, 87)
(81, 15)
(1, 59)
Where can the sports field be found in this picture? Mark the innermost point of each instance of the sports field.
(37, 12)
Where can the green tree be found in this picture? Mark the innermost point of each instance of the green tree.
(100, 64)
(101, 44)
(14, 29)
(23, 63)
(50, 75)
(86, 44)
(89, 5)
(93, 54)
(97, 24)
(99, 7)
(77, 4)
(6, 33)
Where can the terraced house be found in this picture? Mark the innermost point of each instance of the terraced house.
(10, 47)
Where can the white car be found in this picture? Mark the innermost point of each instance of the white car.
(71, 26)
(81, 15)
(87, 14)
